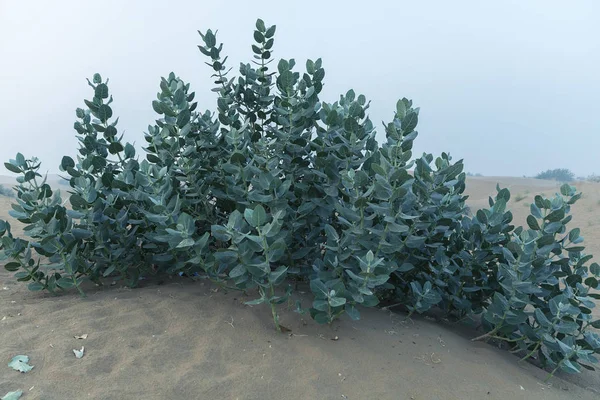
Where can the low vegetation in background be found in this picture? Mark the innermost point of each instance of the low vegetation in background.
(520, 197)
(593, 178)
(558, 174)
(7, 192)
(277, 186)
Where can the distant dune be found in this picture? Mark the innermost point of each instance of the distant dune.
(53, 180)
(586, 212)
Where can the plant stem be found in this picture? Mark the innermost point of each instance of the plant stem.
(487, 335)
(532, 352)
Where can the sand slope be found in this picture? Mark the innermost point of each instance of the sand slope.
(186, 340)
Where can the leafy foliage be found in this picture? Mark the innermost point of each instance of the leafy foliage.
(558, 174)
(278, 186)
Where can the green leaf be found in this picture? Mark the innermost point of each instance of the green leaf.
(541, 318)
(595, 269)
(256, 217)
(66, 163)
(101, 91)
(574, 234)
(210, 39)
(592, 282)
(556, 215)
(409, 122)
(566, 327)
(129, 151)
(35, 286)
(115, 147)
(66, 283)
(185, 243)
(259, 37)
(238, 271)
(12, 168)
(12, 266)
(78, 202)
(270, 32)
(319, 289)
(535, 211)
(255, 302)
(277, 276)
(260, 25)
(276, 250)
(352, 312)
(532, 222)
(20, 363)
(400, 109)
(571, 367)
(337, 301)
(220, 233)
(321, 305)
(321, 318)
(104, 112)
(82, 233)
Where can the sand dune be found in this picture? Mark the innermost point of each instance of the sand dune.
(189, 340)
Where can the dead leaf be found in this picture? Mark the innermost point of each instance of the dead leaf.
(12, 395)
(20, 363)
(79, 353)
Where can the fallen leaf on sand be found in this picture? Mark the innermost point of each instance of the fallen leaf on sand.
(79, 353)
(84, 336)
(19, 363)
(13, 395)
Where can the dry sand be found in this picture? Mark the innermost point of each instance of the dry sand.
(186, 340)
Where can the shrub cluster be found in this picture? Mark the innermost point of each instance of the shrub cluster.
(6, 192)
(558, 174)
(592, 178)
(277, 186)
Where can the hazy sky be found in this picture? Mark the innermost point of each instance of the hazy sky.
(510, 86)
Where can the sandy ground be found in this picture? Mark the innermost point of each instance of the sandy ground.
(186, 340)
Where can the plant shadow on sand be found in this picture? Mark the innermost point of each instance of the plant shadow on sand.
(195, 340)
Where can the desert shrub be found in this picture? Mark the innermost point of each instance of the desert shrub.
(520, 197)
(558, 174)
(592, 178)
(278, 186)
(7, 192)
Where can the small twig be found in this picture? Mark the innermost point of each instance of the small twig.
(231, 323)
(391, 306)
(296, 335)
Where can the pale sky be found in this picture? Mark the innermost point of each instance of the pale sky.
(510, 86)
